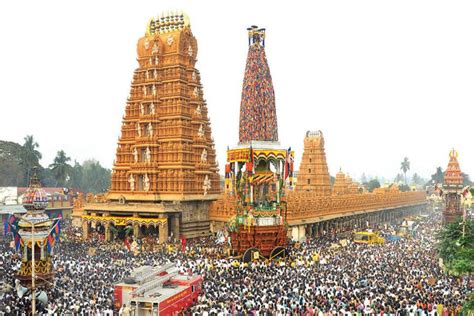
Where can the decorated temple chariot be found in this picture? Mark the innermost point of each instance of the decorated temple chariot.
(259, 168)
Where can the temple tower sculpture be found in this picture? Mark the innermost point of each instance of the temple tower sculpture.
(452, 189)
(313, 174)
(165, 154)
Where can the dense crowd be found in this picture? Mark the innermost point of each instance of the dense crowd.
(396, 278)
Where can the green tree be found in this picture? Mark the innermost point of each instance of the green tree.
(398, 178)
(12, 171)
(405, 166)
(30, 155)
(373, 184)
(76, 176)
(95, 178)
(416, 179)
(456, 248)
(438, 176)
(60, 168)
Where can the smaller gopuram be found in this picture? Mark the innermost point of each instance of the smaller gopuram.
(313, 175)
(34, 238)
(340, 184)
(452, 189)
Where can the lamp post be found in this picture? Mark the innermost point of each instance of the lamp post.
(33, 270)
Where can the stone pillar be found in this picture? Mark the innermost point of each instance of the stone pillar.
(163, 230)
(294, 233)
(136, 230)
(107, 232)
(301, 232)
(85, 230)
(175, 226)
(309, 230)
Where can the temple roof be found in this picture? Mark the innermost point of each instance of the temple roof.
(258, 120)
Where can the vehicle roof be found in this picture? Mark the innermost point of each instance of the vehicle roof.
(365, 233)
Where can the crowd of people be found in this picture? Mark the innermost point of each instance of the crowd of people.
(396, 278)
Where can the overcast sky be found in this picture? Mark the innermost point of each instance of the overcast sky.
(381, 79)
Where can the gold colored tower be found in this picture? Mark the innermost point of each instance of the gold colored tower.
(313, 174)
(166, 152)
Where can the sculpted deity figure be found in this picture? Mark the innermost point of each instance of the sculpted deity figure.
(135, 154)
(148, 155)
(195, 92)
(198, 110)
(206, 185)
(144, 90)
(155, 74)
(201, 131)
(146, 183)
(150, 130)
(204, 156)
(154, 50)
(152, 108)
(153, 90)
(131, 180)
(142, 109)
(147, 75)
(194, 75)
(157, 60)
(150, 61)
(190, 50)
(139, 130)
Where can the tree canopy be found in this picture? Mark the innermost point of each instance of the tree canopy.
(17, 161)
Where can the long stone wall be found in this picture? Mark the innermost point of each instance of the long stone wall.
(306, 206)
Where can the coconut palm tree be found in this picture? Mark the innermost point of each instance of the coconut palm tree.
(405, 166)
(30, 155)
(60, 168)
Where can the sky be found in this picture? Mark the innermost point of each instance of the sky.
(382, 80)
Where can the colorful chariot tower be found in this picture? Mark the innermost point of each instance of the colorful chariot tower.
(34, 238)
(259, 168)
(453, 189)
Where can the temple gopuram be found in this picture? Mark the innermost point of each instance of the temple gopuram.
(313, 174)
(452, 189)
(165, 173)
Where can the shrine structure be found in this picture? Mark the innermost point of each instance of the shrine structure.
(34, 239)
(258, 168)
(165, 173)
(453, 189)
(313, 174)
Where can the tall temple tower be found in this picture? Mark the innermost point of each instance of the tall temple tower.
(166, 151)
(453, 187)
(313, 174)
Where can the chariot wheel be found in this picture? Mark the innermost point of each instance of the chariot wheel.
(251, 254)
(278, 252)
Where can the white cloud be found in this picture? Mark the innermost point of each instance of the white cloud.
(382, 80)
